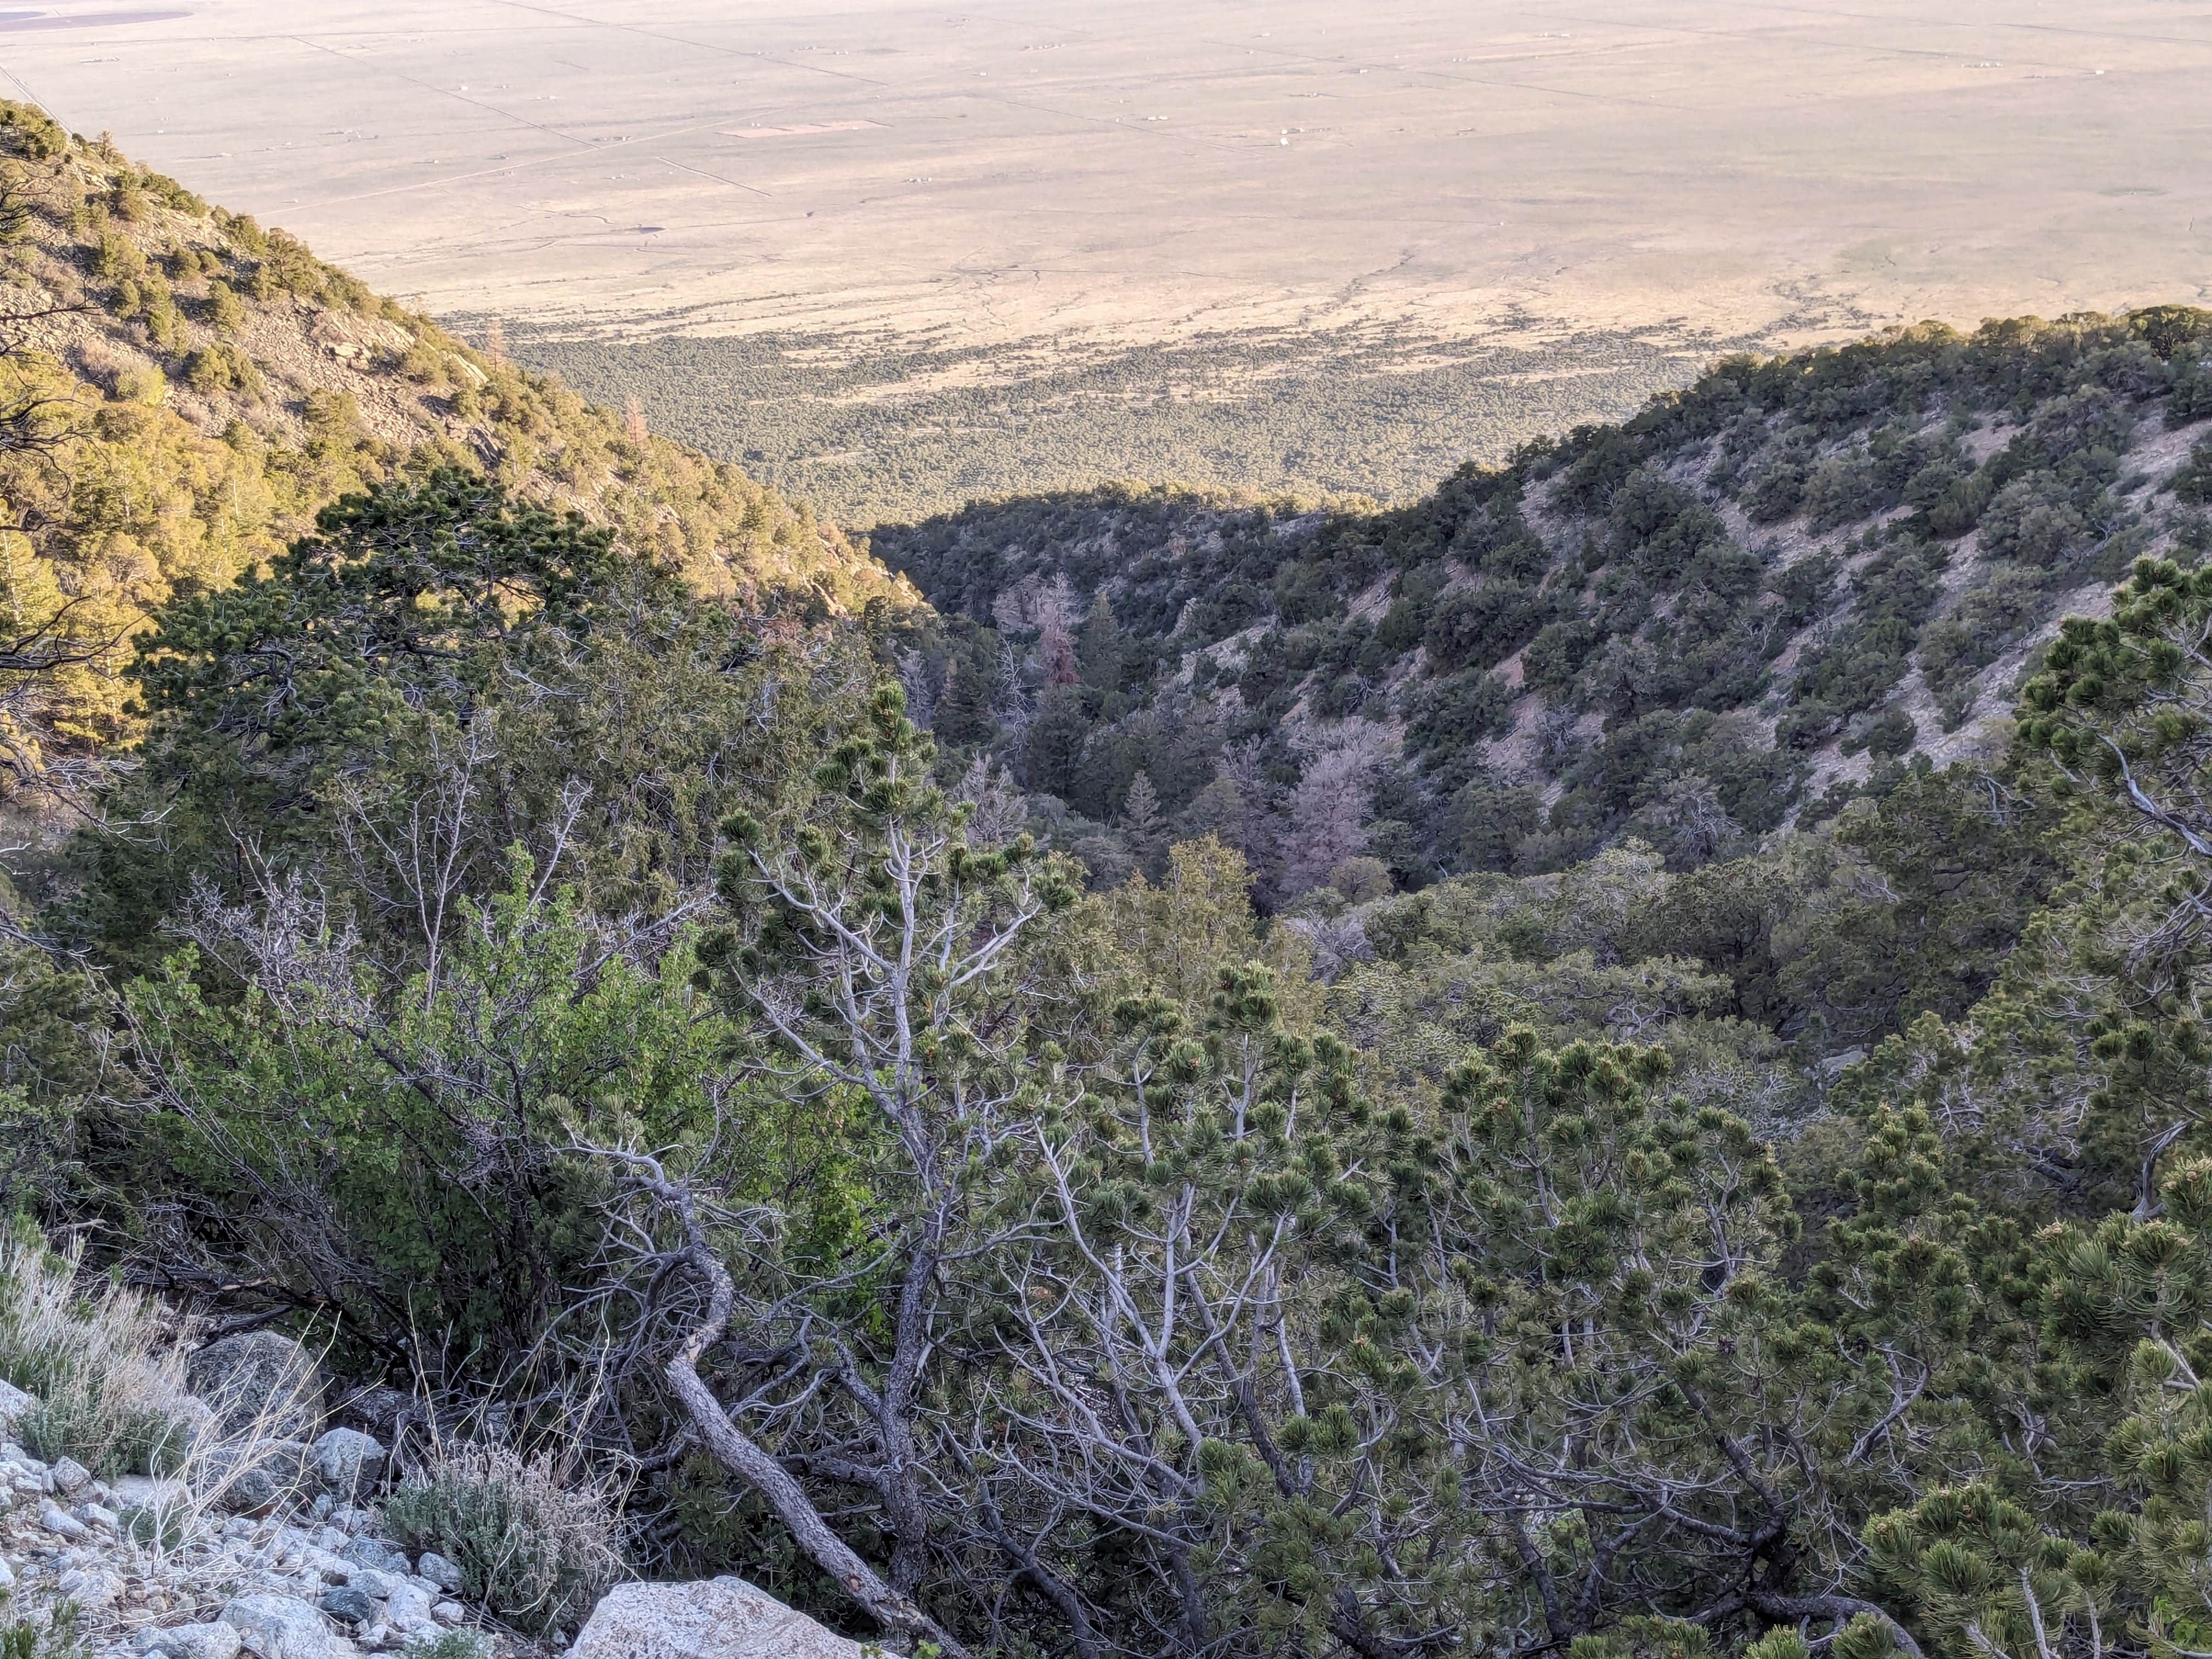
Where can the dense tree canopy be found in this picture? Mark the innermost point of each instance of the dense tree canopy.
(554, 985)
(1256, 1085)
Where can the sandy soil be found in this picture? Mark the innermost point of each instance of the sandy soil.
(1118, 169)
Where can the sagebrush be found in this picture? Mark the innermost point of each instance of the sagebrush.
(535, 1549)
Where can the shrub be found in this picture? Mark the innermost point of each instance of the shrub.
(2034, 519)
(1777, 491)
(1461, 710)
(55, 1638)
(534, 1549)
(102, 1359)
(1557, 653)
(424, 363)
(451, 1644)
(140, 383)
(1840, 489)
(225, 310)
(1479, 626)
(2193, 483)
(222, 369)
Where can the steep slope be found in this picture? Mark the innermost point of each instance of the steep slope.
(182, 390)
(1757, 598)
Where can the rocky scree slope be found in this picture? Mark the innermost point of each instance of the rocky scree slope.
(258, 1541)
(274, 1546)
(1757, 598)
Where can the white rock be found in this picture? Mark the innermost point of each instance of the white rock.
(370, 1581)
(14, 1402)
(69, 1476)
(7, 1577)
(408, 1608)
(332, 1539)
(91, 1587)
(279, 1627)
(442, 1572)
(96, 1515)
(372, 1552)
(254, 1478)
(215, 1641)
(449, 1614)
(714, 1618)
(150, 1492)
(63, 1524)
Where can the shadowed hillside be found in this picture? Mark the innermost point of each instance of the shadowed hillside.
(1758, 597)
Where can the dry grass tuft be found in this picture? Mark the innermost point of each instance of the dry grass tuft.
(105, 1362)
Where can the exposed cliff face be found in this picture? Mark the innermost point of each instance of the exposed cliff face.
(1728, 613)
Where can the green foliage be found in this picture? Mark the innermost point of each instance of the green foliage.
(53, 1637)
(225, 311)
(126, 496)
(451, 1644)
(588, 970)
(880, 436)
(1595, 582)
(506, 1034)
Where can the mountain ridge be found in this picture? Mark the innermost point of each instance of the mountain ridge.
(1757, 598)
(184, 391)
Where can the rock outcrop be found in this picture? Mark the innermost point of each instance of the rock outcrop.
(261, 1383)
(711, 1618)
(267, 1547)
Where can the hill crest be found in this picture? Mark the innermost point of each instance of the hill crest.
(184, 390)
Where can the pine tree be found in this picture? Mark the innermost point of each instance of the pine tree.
(225, 310)
(963, 713)
(1103, 646)
(1141, 824)
(1055, 741)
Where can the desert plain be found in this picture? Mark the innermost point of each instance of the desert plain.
(985, 196)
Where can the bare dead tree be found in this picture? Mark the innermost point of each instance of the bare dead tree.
(718, 1426)
(876, 956)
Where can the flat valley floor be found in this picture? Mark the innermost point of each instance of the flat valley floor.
(889, 204)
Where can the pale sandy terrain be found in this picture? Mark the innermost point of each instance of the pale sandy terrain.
(1139, 169)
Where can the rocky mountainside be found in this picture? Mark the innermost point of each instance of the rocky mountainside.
(181, 391)
(254, 1542)
(1758, 598)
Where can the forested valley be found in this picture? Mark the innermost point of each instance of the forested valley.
(1607, 1064)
